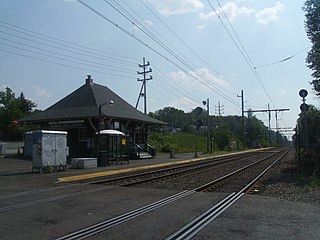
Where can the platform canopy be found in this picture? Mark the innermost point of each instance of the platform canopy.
(111, 132)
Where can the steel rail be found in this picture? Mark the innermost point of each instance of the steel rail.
(217, 160)
(167, 172)
(203, 187)
(102, 226)
(214, 182)
(190, 167)
(83, 192)
(51, 199)
(195, 226)
(36, 191)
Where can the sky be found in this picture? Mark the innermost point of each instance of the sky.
(197, 50)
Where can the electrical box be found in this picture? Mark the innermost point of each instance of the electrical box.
(49, 150)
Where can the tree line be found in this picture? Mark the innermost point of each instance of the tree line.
(13, 108)
(223, 130)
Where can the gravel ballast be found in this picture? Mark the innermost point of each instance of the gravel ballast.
(285, 182)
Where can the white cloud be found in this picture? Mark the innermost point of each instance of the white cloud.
(268, 15)
(148, 22)
(231, 10)
(3, 87)
(203, 75)
(185, 104)
(283, 92)
(40, 92)
(169, 7)
(200, 27)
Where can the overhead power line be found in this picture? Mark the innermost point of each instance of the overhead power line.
(188, 47)
(62, 64)
(77, 61)
(57, 44)
(71, 58)
(241, 49)
(209, 85)
(69, 44)
(180, 39)
(283, 60)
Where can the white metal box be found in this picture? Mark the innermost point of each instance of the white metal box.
(49, 148)
(83, 163)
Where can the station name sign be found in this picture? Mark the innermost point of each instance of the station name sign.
(66, 124)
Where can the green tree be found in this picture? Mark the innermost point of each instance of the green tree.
(175, 118)
(12, 108)
(310, 135)
(312, 26)
(222, 138)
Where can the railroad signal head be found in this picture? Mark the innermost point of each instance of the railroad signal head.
(303, 93)
(304, 107)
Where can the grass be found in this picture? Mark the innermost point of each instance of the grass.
(314, 183)
(186, 142)
(181, 142)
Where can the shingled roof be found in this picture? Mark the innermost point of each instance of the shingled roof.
(84, 103)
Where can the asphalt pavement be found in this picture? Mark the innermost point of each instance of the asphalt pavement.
(252, 217)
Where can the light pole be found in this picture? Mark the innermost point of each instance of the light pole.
(198, 123)
(99, 119)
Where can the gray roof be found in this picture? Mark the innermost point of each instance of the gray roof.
(84, 103)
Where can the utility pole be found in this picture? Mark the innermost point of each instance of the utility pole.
(277, 129)
(269, 125)
(144, 83)
(242, 110)
(219, 108)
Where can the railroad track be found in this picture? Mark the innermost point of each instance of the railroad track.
(170, 172)
(128, 180)
(192, 228)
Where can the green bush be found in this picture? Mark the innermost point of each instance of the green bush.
(181, 142)
(162, 143)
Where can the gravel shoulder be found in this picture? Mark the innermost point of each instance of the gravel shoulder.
(285, 182)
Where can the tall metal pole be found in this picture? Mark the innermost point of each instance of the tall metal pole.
(277, 131)
(208, 126)
(269, 124)
(144, 94)
(144, 83)
(144, 86)
(242, 110)
(196, 150)
(299, 143)
(99, 136)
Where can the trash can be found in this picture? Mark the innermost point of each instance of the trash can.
(172, 153)
(102, 159)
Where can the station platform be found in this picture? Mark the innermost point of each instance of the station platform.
(17, 166)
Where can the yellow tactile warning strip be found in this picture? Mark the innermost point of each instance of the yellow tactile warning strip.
(126, 170)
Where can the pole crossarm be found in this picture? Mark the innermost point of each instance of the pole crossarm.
(144, 83)
(269, 110)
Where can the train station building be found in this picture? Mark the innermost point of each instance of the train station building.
(90, 109)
